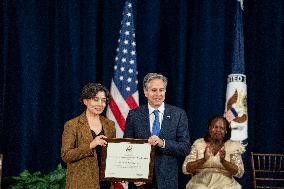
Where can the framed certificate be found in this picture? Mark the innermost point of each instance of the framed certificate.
(129, 160)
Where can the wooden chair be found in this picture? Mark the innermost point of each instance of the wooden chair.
(1, 163)
(267, 170)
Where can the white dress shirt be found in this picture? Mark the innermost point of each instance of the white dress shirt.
(152, 116)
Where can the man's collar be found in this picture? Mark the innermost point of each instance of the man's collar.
(161, 108)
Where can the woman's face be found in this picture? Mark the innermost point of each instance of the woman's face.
(217, 129)
(97, 104)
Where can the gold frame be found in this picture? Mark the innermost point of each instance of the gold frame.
(131, 141)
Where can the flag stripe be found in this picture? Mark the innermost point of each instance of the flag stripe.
(131, 102)
(118, 186)
(117, 114)
(119, 100)
(119, 132)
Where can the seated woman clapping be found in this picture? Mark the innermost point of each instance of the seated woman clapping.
(215, 159)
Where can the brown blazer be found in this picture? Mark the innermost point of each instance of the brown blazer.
(82, 163)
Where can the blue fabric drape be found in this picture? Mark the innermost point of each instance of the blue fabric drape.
(50, 49)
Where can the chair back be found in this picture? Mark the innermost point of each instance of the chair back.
(267, 170)
(1, 163)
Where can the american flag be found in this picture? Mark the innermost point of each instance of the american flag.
(124, 91)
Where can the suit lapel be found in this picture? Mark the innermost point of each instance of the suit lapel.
(105, 126)
(166, 120)
(146, 121)
(84, 127)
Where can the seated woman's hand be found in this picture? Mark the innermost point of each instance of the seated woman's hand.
(207, 152)
(99, 140)
(222, 153)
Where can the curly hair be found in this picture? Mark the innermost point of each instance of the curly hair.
(227, 124)
(90, 90)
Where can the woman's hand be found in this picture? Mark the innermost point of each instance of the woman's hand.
(139, 183)
(99, 140)
(222, 154)
(231, 167)
(207, 152)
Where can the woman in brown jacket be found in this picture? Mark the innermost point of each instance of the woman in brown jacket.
(83, 138)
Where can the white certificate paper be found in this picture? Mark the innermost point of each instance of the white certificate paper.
(128, 160)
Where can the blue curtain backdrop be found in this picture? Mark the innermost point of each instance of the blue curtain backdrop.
(50, 49)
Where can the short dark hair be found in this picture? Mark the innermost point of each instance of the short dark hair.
(90, 90)
(227, 124)
(151, 76)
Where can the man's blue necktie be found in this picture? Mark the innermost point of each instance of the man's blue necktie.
(156, 124)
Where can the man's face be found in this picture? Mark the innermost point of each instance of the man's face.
(155, 92)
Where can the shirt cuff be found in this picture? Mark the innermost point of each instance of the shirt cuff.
(164, 143)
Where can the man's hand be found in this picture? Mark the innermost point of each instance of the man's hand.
(156, 141)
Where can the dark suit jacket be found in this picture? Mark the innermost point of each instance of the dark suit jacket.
(174, 130)
(82, 162)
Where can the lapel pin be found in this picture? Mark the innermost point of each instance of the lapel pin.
(168, 117)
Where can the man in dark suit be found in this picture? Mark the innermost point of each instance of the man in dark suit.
(165, 127)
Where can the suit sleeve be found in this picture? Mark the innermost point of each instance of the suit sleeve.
(181, 145)
(70, 152)
(129, 126)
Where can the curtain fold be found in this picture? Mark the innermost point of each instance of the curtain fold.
(50, 49)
